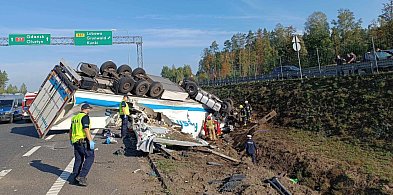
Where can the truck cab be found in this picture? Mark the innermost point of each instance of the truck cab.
(10, 108)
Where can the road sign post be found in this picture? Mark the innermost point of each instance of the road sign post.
(29, 39)
(91, 38)
(296, 46)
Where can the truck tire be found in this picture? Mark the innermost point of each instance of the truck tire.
(108, 66)
(141, 88)
(191, 88)
(124, 70)
(138, 71)
(90, 70)
(125, 84)
(226, 107)
(155, 90)
(229, 101)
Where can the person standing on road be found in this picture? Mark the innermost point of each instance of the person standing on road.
(83, 143)
(248, 109)
(124, 112)
(251, 148)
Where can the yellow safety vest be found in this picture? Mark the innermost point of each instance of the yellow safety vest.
(127, 112)
(77, 128)
(210, 124)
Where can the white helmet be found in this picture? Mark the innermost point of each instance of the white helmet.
(246, 102)
(249, 136)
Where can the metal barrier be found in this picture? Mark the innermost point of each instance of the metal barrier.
(360, 68)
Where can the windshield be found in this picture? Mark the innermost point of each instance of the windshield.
(5, 103)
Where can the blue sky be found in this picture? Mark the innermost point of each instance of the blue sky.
(174, 31)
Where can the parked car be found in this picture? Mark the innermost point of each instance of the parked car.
(10, 107)
(286, 72)
(381, 55)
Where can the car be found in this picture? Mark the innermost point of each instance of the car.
(381, 55)
(289, 71)
(10, 107)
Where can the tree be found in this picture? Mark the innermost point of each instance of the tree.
(3, 81)
(317, 36)
(11, 89)
(23, 89)
(387, 11)
(352, 38)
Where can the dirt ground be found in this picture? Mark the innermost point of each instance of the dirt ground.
(280, 154)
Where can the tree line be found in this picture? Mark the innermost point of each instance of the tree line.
(255, 53)
(4, 88)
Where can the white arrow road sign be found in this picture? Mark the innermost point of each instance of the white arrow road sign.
(295, 39)
(296, 46)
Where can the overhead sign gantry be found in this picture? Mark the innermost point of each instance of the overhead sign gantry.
(80, 38)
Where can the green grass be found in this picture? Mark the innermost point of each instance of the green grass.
(374, 162)
(166, 165)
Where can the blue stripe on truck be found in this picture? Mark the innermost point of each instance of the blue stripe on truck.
(58, 87)
(115, 104)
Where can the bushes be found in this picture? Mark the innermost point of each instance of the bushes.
(360, 107)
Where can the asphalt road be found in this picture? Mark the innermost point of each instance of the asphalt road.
(29, 165)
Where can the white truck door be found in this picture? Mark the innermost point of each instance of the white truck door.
(50, 100)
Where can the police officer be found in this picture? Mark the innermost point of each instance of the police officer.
(124, 112)
(83, 143)
(251, 148)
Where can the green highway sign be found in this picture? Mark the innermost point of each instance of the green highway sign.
(83, 38)
(29, 39)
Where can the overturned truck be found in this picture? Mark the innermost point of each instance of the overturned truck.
(65, 89)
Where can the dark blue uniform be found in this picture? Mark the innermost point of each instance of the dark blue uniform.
(251, 149)
(84, 157)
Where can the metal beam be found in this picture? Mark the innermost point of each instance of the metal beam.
(116, 40)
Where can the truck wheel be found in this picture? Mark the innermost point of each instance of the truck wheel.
(108, 66)
(226, 107)
(141, 88)
(156, 89)
(229, 101)
(90, 70)
(125, 85)
(124, 70)
(191, 88)
(138, 71)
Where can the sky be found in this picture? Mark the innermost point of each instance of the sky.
(174, 31)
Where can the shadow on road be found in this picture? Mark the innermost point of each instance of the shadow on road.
(26, 131)
(31, 131)
(45, 167)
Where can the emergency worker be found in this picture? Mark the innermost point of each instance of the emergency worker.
(83, 144)
(243, 115)
(251, 148)
(210, 125)
(248, 109)
(124, 112)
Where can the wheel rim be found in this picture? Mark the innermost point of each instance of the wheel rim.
(127, 86)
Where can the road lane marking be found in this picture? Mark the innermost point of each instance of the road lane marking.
(30, 152)
(49, 137)
(4, 172)
(59, 183)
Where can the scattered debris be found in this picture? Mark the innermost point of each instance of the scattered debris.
(232, 183)
(223, 155)
(278, 186)
(214, 164)
(136, 171)
(268, 116)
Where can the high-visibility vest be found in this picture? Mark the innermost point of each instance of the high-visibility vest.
(127, 112)
(77, 128)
